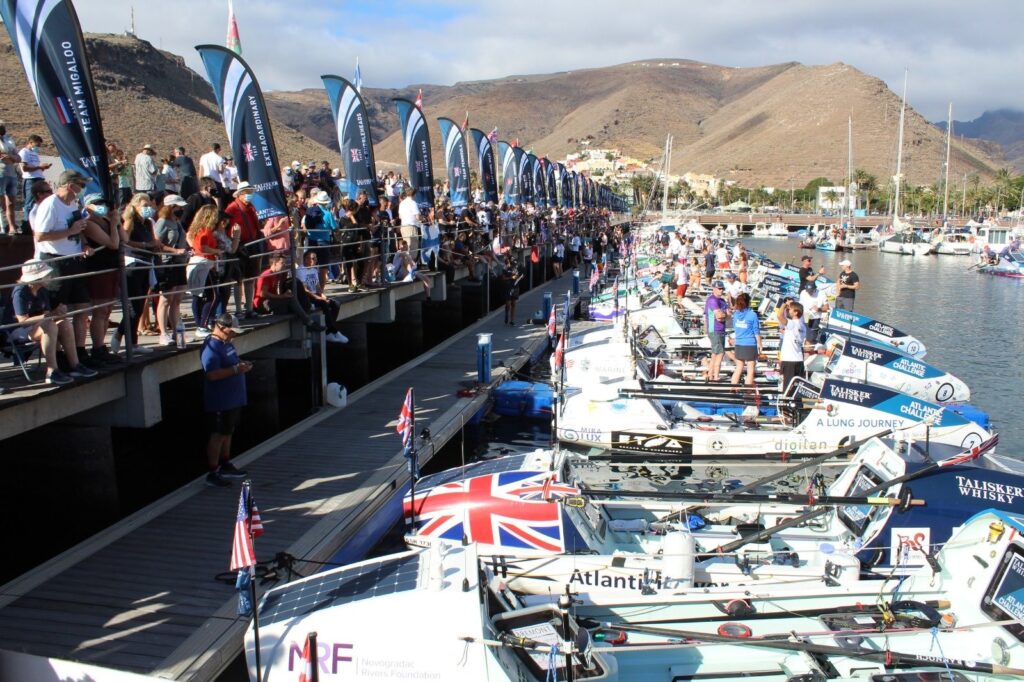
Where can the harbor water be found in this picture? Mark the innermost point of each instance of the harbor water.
(966, 319)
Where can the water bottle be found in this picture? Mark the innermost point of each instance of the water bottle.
(179, 335)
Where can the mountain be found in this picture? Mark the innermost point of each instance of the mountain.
(145, 96)
(774, 125)
(1004, 127)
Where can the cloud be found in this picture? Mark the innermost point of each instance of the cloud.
(955, 51)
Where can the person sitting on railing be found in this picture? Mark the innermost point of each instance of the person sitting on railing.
(47, 324)
(309, 278)
(56, 227)
(274, 295)
(102, 234)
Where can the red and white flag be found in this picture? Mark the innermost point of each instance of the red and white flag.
(246, 529)
(309, 671)
(552, 324)
(493, 135)
(234, 43)
(419, 100)
(465, 123)
(405, 420)
(560, 351)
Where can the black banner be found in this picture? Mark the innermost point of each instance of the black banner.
(354, 139)
(485, 156)
(417, 151)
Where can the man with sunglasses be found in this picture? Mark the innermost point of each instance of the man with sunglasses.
(224, 396)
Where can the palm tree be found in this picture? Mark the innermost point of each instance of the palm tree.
(868, 184)
(832, 196)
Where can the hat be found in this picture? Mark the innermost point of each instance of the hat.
(34, 270)
(174, 200)
(244, 187)
(845, 262)
(229, 322)
(72, 176)
(323, 198)
(718, 284)
(94, 198)
(730, 275)
(147, 147)
(805, 257)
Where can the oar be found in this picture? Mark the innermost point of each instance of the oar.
(777, 498)
(891, 659)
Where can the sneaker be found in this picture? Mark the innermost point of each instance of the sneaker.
(166, 340)
(58, 378)
(101, 356)
(83, 371)
(202, 333)
(115, 342)
(215, 480)
(337, 337)
(228, 470)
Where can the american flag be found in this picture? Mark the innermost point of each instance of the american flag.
(552, 324)
(419, 100)
(406, 419)
(493, 135)
(246, 529)
(309, 671)
(511, 509)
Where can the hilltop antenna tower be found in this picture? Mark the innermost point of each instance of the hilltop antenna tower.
(131, 29)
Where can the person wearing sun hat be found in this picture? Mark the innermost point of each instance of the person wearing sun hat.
(48, 325)
(243, 215)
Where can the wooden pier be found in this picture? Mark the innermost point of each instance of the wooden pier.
(142, 596)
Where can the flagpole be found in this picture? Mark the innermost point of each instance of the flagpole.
(412, 455)
(247, 487)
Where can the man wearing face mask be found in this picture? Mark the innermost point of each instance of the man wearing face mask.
(31, 170)
(9, 161)
(57, 229)
(243, 215)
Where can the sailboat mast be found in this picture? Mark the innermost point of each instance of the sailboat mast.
(899, 152)
(668, 167)
(849, 174)
(945, 182)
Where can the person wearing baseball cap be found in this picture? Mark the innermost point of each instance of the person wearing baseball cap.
(846, 289)
(46, 323)
(224, 396)
(807, 273)
(715, 308)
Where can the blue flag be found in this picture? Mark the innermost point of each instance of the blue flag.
(354, 139)
(247, 123)
(456, 161)
(243, 583)
(417, 151)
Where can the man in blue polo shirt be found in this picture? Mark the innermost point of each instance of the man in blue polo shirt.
(714, 326)
(224, 397)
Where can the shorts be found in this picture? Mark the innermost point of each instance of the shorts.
(351, 252)
(8, 185)
(104, 286)
(717, 343)
(224, 423)
(251, 264)
(74, 291)
(746, 353)
(169, 277)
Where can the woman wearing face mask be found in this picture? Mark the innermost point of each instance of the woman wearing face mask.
(170, 278)
(137, 235)
(102, 230)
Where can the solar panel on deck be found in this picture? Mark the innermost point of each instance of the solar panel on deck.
(341, 587)
(481, 468)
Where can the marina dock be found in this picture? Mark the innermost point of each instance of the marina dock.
(142, 596)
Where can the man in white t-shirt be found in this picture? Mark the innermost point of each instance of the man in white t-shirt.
(409, 215)
(57, 228)
(229, 176)
(722, 257)
(309, 277)
(734, 287)
(31, 170)
(211, 165)
(815, 304)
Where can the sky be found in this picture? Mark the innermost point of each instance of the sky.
(968, 53)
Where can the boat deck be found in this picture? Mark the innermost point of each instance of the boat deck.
(143, 596)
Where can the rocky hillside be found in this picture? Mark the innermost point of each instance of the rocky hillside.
(1002, 127)
(773, 125)
(145, 96)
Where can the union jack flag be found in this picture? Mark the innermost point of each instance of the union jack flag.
(510, 509)
(247, 152)
(419, 100)
(552, 324)
(493, 135)
(357, 155)
(246, 529)
(456, 171)
(406, 420)
(419, 166)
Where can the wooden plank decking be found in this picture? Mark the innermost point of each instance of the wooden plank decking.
(141, 595)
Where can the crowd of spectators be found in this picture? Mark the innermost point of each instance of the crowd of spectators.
(176, 226)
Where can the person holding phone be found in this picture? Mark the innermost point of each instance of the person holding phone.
(224, 396)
